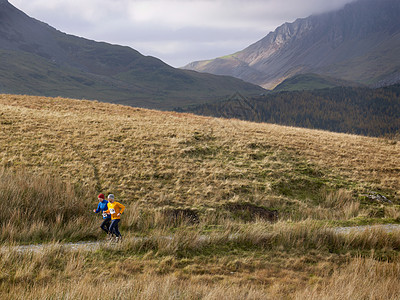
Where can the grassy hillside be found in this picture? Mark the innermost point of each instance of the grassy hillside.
(246, 207)
(128, 150)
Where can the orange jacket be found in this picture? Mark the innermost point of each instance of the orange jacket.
(114, 209)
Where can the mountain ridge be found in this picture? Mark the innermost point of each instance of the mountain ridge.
(345, 44)
(42, 60)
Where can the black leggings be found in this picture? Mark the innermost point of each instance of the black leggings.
(114, 227)
(105, 225)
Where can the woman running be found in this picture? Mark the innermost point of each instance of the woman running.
(102, 207)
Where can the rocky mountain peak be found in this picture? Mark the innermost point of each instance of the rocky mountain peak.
(290, 30)
(363, 35)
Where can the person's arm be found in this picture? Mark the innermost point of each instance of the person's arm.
(108, 210)
(98, 209)
(121, 207)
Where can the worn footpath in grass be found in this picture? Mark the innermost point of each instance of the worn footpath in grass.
(252, 262)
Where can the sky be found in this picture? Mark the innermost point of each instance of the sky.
(175, 31)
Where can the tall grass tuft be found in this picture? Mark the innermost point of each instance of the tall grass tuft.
(42, 208)
(363, 278)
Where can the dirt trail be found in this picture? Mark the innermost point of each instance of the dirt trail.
(353, 229)
(92, 246)
(89, 246)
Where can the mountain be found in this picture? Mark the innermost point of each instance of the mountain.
(37, 59)
(372, 112)
(359, 43)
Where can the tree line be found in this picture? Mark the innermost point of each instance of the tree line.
(364, 111)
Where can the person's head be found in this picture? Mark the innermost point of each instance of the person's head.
(100, 197)
(110, 198)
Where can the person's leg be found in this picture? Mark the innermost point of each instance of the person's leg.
(105, 225)
(114, 227)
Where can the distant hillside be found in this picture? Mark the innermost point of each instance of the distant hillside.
(302, 82)
(37, 59)
(359, 43)
(374, 112)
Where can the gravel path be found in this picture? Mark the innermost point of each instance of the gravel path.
(91, 246)
(387, 228)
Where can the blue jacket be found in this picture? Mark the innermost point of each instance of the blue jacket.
(102, 207)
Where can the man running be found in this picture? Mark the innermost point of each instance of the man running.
(102, 207)
(115, 209)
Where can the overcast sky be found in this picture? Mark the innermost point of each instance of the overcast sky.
(176, 31)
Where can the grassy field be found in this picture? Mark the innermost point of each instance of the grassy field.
(224, 208)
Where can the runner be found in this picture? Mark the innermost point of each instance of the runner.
(115, 209)
(102, 207)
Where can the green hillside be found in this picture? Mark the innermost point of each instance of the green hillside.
(37, 59)
(150, 83)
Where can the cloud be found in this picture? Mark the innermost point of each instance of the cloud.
(176, 31)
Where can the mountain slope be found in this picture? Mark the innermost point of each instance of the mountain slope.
(358, 43)
(40, 60)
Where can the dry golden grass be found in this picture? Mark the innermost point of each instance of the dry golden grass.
(165, 158)
(116, 273)
(157, 160)
(43, 208)
(360, 279)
